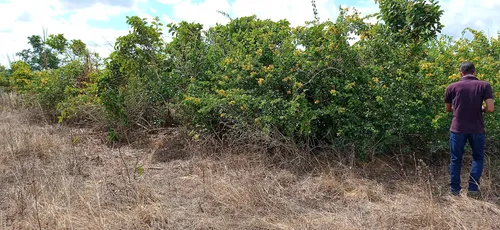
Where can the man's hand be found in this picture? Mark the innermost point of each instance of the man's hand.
(489, 106)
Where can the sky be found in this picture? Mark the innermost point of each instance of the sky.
(99, 22)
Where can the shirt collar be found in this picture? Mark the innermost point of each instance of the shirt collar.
(469, 77)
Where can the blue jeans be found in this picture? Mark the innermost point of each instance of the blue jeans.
(457, 145)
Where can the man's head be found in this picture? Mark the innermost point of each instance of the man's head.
(467, 68)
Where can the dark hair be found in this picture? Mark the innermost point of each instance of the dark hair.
(467, 67)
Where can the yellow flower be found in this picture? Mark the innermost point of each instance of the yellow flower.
(226, 78)
(259, 52)
(268, 69)
(232, 102)
(260, 81)
(247, 67)
(376, 80)
(193, 99)
(333, 92)
(222, 92)
(332, 47)
(350, 85)
(342, 110)
(298, 85)
(425, 66)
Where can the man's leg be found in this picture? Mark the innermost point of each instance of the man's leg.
(477, 142)
(457, 144)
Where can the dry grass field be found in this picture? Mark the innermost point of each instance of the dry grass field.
(60, 177)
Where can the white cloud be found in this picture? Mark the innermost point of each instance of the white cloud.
(297, 12)
(52, 15)
(166, 19)
(205, 12)
(80, 4)
(479, 14)
(201, 12)
(169, 2)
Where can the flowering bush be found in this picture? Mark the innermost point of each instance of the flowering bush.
(381, 93)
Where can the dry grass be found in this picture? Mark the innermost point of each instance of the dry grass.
(55, 177)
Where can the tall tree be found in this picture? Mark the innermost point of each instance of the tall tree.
(416, 19)
(44, 51)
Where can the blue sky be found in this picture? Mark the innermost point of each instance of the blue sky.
(100, 22)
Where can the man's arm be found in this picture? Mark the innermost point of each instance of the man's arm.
(488, 97)
(490, 107)
(448, 100)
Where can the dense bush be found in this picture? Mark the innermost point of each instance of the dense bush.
(138, 83)
(64, 90)
(382, 93)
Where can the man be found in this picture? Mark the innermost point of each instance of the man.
(465, 100)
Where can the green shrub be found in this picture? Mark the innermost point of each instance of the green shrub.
(137, 85)
(313, 83)
(4, 77)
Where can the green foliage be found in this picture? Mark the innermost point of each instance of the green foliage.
(381, 93)
(315, 10)
(60, 91)
(113, 136)
(440, 68)
(21, 77)
(418, 20)
(44, 52)
(137, 85)
(4, 76)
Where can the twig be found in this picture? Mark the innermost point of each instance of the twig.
(124, 164)
(155, 168)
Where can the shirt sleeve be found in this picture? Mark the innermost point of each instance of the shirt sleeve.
(488, 92)
(447, 96)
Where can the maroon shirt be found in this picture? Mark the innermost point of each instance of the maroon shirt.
(466, 97)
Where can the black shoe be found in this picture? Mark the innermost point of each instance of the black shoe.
(474, 194)
(454, 193)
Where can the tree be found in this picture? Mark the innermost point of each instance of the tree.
(44, 52)
(416, 19)
(137, 76)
